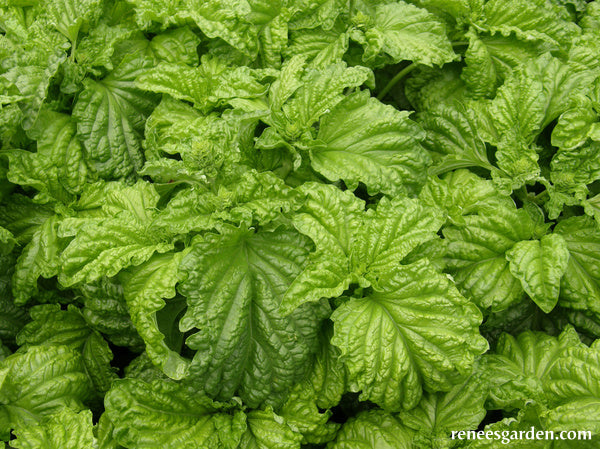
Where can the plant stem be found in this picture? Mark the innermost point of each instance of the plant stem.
(401, 74)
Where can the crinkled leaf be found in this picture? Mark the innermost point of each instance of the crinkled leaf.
(403, 337)
(519, 368)
(110, 115)
(164, 414)
(104, 246)
(539, 265)
(580, 285)
(211, 84)
(329, 217)
(39, 382)
(58, 431)
(52, 326)
(40, 257)
(476, 255)
(146, 288)
(374, 429)
(405, 32)
(235, 283)
(266, 430)
(363, 140)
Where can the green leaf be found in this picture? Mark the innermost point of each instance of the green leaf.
(352, 246)
(329, 217)
(110, 115)
(104, 246)
(402, 337)
(476, 254)
(404, 32)
(58, 431)
(70, 16)
(528, 20)
(453, 139)
(12, 317)
(105, 310)
(580, 285)
(302, 95)
(235, 283)
(363, 140)
(518, 371)
(146, 288)
(39, 382)
(390, 233)
(302, 415)
(227, 20)
(438, 414)
(52, 326)
(320, 47)
(574, 385)
(539, 265)
(327, 377)
(22, 217)
(210, 85)
(266, 430)
(40, 257)
(373, 429)
(165, 414)
(575, 125)
(176, 46)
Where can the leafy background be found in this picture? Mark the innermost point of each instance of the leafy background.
(298, 224)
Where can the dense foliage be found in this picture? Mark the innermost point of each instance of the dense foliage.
(297, 224)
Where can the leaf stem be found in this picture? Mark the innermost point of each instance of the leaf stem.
(401, 74)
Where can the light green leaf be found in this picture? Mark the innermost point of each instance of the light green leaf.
(110, 115)
(146, 288)
(266, 430)
(303, 416)
(52, 326)
(575, 125)
(373, 429)
(539, 265)
(104, 246)
(389, 233)
(403, 337)
(404, 32)
(363, 140)
(212, 84)
(519, 369)
(453, 139)
(528, 20)
(476, 254)
(329, 217)
(304, 95)
(167, 415)
(438, 414)
(71, 16)
(178, 46)
(580, 286)
(58, 168)
(573, 383)
(96, 49)
(235, 283)
(490, 59)
(160, 13)
(39, 382)
(320, 47)
(40, 257)
(64, 429)
(228, 20)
